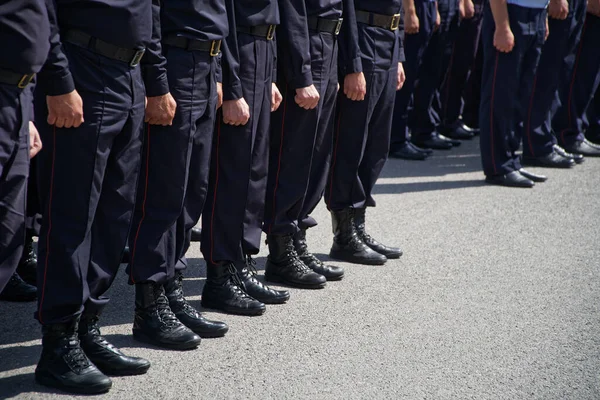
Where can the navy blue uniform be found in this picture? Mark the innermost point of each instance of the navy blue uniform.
(362, 128)
(233, 215)
(175, 161)
(301, 140)
(556, 65)
(24, 41)
(506, 86)
(577, 93)
(89, 173)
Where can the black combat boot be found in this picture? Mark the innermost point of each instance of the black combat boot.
(196, 235)
(347, 244)
(257, 289)
(126, 256)
(63, 364)
(104, 355)
(224, 291)
(156, 324)
(359, 223)
(187, 314)
(284, 266)
(18, 290)
(328, 271)
(27, 267)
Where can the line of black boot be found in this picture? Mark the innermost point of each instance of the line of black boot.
(22, 285)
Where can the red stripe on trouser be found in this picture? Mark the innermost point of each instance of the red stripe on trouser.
(214, 204)
(279, 159)
(492, 113)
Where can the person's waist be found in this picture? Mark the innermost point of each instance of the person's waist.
(536, 4)
(263, 31)
(213, 47)
(391, 22)
(329, 25)
(11, 78)
(99, 46)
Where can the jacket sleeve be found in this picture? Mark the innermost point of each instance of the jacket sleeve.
(232, 84)
(154, 64)
(55, 78)
(349, 51)
(401, 56)
(293, 37)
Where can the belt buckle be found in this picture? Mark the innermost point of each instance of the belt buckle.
(395, 22)
(25, 80)
(215, 48)
(338, 26)
(271, 32)
(137, 57)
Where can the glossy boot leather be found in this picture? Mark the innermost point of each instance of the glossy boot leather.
(257, 289)
(348, 245)
(64, 365)
(156, 324)
(330, 272)
(17, 289)
(104, 355)
(27, 267)
(187, 314)
(359, 223)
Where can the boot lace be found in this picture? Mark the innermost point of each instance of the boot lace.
(75, 357)
(185, 305)
(236, 283)
(164, 311)
(251, 267)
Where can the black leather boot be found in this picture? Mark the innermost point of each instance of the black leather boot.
(27, 267)
(359, 223)
(347, 244)
(196, 234)
(63, 364)
(187, 314)
(103, 354)
(156, 324)
(257, 289)
(126, 256)
(284, 265)
(224, 291)
(328, 271)
(18, 290)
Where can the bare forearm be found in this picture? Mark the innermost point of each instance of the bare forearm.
(500, 13)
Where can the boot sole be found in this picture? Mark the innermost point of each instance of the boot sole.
(49, 381)
(130, 372)
(271, 300)
(235, 311)
(353, 260)
(278, 279)
(142, 337)
(333, 278)
(215, 335)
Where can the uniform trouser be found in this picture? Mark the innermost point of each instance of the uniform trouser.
(460, 67)
(472, 92)
(422, 119)
(592, 120)
(34, 210)
(234, 209)
(300, 146)
(88, 177)
(558, 55)
(414, 50)
(576, 95)
(175, 161)
(15, 114)
(362, 128)
(506, 86)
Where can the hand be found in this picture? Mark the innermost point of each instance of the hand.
(461, 9)
(219, 95)
(308, 97)
(401, 76)
(438, 21)
(504, 40)
(355, 86)
(236, 112)
(558, 9)
(547, 30)
(469, 9)
(593, 7)
(160, 110)
(411, 23)
(276, 97)
(35, 143)
(66, 110)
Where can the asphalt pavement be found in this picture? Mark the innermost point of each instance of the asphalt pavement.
(496, 297)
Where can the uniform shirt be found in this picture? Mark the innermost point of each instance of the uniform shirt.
(24, 34)
(529, 3)
(349, 60)
(245, 13)
(194, 19)
(124, 23)
(293, 38)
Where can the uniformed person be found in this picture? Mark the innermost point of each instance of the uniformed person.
(174, 177)
(24, 34)
(592, 132)
(301, 132)
(512, 35)
(238, 175)
(576, 96)
(92, 84)
(557, 61)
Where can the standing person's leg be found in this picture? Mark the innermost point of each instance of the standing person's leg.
(592, 132)
(27, 268)
(472, 93)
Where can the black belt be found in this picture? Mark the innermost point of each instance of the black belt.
(12, 78)
(325, 25)
(82, 39)
(264, 31)
(212, 46)
(390, 22)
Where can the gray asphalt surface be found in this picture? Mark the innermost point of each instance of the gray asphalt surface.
(496, 297)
